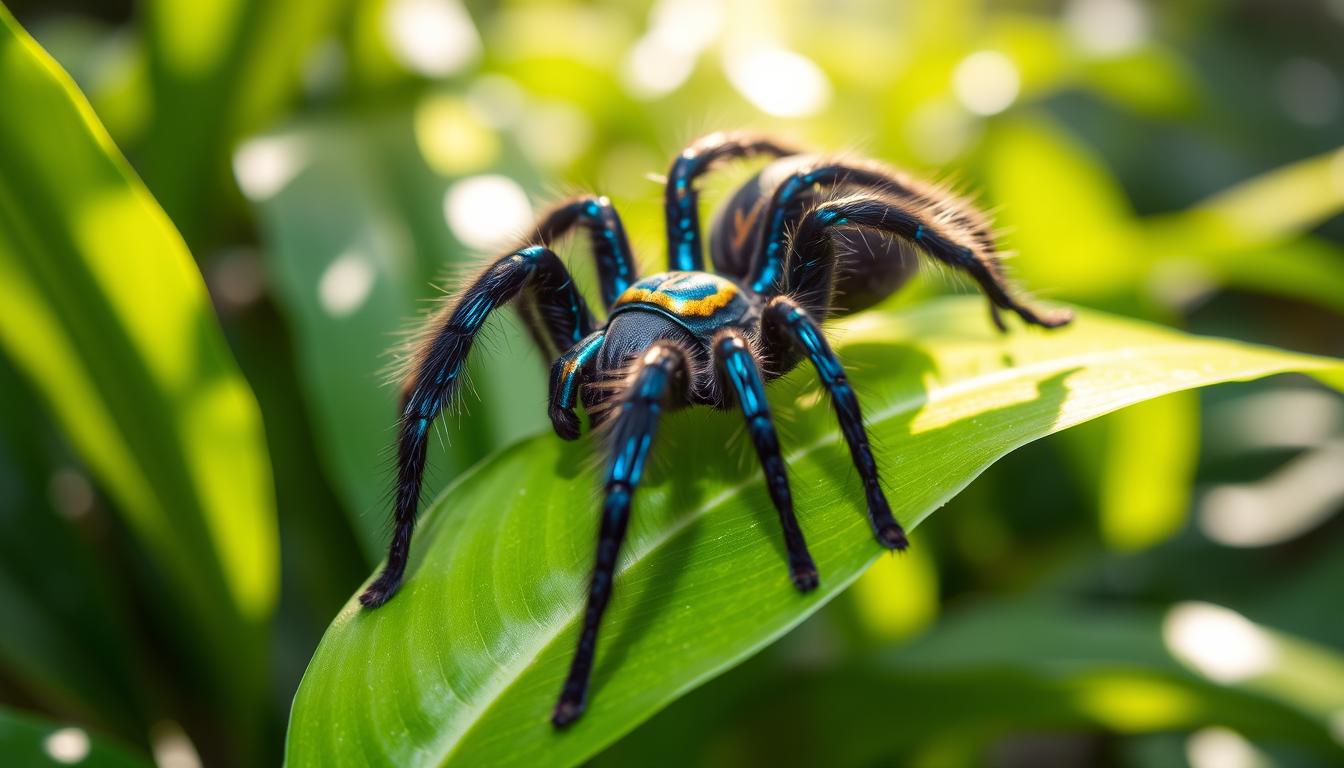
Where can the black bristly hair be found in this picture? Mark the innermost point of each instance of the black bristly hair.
(690, 337)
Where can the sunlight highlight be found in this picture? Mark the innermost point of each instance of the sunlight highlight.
(264, 166)
(1107, 26)
(1295, 499)
(986, 82)
(67, 745)
(1220, 748)
(434, 38)
(346, 283)
(1218, 642)
(779, 82)
(679, 30)
(487, 212)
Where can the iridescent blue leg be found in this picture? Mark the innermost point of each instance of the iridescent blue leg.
(634, 425)
(437, 369)
(566, 376)
(787, 322)
(791, 197)
(682, 200)
(616, 269)
(739, 374)
(812, 259)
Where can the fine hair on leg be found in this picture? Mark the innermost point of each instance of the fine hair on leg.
(659, 375)
(739, 374)
(436, 370)
(787, 323)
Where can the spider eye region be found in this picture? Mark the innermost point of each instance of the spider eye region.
(700, 302)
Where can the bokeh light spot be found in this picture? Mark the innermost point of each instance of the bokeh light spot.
(345, 284)
(779, 82)
(986, 82)
(67, 745)
(434, 38)
(1217, 642)
(487, 212)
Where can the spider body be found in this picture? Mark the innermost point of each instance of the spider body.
(807, 238)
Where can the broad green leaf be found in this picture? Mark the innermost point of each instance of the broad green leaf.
(354, 233)
(218, 69)
(1050, 666)
(463, 666)
(105, 313)
(27, 741)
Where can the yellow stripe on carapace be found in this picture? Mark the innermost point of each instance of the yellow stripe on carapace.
(705, 306)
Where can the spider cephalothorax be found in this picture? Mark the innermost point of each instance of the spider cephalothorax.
(807, 238)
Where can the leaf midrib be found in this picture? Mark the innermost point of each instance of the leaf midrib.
(513, 672)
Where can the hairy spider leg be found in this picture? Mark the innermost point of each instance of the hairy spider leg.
(786, 321)
(648, 392)
(812, 258)
(437, 371)
(739, 374)
(788, 204)
(616, 268)
(566, 375)
(682, 200)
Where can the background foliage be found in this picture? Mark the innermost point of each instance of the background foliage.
(325, 162)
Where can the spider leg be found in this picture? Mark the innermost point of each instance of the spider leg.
(788, 323)
(682, 200)
(790, 197)
(533, 272)
(566, 375)
(616, 268)
(739, 373)
(649, 390)
(812, 260)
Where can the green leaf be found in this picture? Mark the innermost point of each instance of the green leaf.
(107, 316)
(1052, 665)
(28, 741)
(463, 666)
(218, 69)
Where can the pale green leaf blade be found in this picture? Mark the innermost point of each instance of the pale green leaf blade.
(463, 666)
(105, 313)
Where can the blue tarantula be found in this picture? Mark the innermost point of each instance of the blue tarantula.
(807, 238)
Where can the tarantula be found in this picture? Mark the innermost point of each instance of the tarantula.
(807, 238)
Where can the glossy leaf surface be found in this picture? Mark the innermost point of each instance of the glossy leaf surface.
(463, 666)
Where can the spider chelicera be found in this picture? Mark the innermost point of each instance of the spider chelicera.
(805, 239)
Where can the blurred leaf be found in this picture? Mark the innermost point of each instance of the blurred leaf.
(464, 665)
(219, 69)
(1076, 242)
(897, 597)
(1148, 470)
(1261, 211)
(1150, 80)
(28, 741)
(66, 641)
(353, 236)
(992, 670)
(108, 317)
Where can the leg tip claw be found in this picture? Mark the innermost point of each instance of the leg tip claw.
(565, 422)
(804, 577)
(892, 536)
(566, 712)
(379, 592)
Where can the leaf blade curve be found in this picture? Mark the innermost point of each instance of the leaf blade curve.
(464, 664)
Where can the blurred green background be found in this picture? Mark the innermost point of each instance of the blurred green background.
(329, 162)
